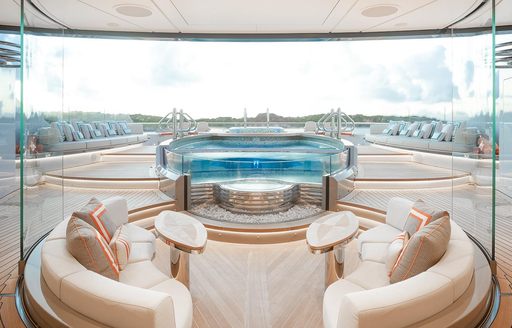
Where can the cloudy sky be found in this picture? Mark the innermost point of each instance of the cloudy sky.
(440, 77)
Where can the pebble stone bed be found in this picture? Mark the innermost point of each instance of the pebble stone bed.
(212, 211)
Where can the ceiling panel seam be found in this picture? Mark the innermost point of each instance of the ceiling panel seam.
(330, 12)
(179, 12)
(109, 14)
(45, 14)
(163, 14)
(463, 16)
(41, 7)
(345, 15)
(401, 15)
(479, 12)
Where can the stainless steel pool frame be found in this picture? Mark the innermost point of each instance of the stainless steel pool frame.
(326, 193)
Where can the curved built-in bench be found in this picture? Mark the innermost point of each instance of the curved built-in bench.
(94, 144)
(144, 296)
(430, 145)
(432, 298)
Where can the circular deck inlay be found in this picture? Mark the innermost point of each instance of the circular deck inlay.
(256, 196)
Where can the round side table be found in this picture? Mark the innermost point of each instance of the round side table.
(329, 234)
(185, 235)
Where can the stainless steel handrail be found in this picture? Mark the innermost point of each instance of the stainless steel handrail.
(174, 120)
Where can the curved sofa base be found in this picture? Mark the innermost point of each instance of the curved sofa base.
(37, 306)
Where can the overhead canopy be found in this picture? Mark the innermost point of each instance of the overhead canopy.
(255, 16)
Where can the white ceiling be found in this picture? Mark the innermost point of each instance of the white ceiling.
(255, 16)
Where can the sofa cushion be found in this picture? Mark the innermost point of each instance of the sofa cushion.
(369, 275)
(142, 274)
(182, 301)
(141, 252)
(420, 215)
(383, 233)
(90, 249)
(332, 300)
(139, 235)
(121, 246)
(423, 250)
(95, 213)
(114, 304)
(394, 250)
(397, 211)
(375, 252)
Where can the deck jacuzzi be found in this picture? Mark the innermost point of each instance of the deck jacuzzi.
(217, 162)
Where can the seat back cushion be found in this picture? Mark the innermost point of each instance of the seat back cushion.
(397, 212)
(95, 213)
(395, 249)
(121, 246)
(90, 249)
(420, 215)
(424, 249)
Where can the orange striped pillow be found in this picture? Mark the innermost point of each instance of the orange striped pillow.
(89, 248)
(420, 215)
(121, 246)
(96, 215)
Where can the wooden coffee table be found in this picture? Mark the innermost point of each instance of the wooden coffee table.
(185, 235)
(329, 234)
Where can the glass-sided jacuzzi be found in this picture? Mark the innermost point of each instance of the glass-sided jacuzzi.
(255, 173)
(295, 158)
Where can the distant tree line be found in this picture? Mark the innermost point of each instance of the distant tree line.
(262, 117)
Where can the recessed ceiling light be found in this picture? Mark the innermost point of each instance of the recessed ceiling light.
(379, 11)
(112, 24)
(401, 24)
(133, 10)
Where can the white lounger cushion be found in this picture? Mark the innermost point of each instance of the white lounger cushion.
(182, 308)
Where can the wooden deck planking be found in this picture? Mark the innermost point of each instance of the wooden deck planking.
(279, 285)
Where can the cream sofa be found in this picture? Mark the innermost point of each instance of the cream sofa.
(365, 298)
(144, 295)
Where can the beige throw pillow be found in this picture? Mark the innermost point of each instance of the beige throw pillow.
(90, 249)
(424, 249)
(121, 246)
(96, 215)
(420, 215)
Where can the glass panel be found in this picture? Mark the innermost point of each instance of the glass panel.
(43, 86)
(9, 126)
(503, 204)
(471, 62)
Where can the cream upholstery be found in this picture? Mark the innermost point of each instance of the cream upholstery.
(144, 295)
(365, 297)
